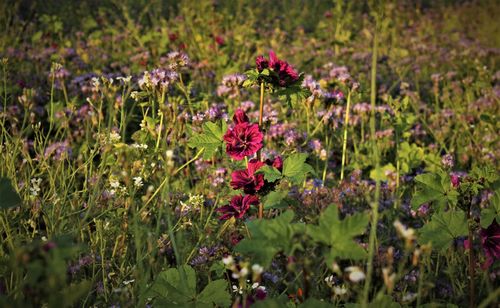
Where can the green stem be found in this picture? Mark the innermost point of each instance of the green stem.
(344, 145)
(375, 200)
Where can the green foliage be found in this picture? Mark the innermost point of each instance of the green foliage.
(295, 168)
(9, 197)
(270, 236)
(436, 188)
(410, 156)
(177, 286)
(443, 229)
(294, 94)
(492, 211)
(210, 140)
(338, 234)
(380, 174)
(271, 174)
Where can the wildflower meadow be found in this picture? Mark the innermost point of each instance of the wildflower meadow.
(235, 153)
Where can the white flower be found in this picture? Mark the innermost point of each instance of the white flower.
(244, 272)
(355, 274)
(126, 282)
(257, 269)
(169, 154)
(114, 137)
(125, 79)
(340, 290)
(255, 285)
(228, 260)
(140, 146)
(329, 280)
(407, 233)
(138, 182)
(408, 297)
(238, 290)
(114, 183)
(35, 186)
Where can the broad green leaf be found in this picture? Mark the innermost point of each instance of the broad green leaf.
(434, 187)
(380, 174)
(271, 174)
(215, 293)
(295, 168)
(492, 211)
(338, 234)
(443, 228)
(8, 195)
(270, 236)
(177, 285)
(210, 140)
(275, 199)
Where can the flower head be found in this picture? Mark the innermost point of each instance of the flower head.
(238, 206)
(285, 73)
(490, 240)
(244, 139)
(247, 179)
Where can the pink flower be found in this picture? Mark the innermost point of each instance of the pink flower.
(247, 179)
(276, 163)
(455, 180)
(490, 240)
(244, 139)
(238, 206)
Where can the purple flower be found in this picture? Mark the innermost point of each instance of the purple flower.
(238, 206)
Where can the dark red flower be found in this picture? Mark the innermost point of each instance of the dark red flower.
(490, 240)
(240, 117)
(277, 163)
(261, 63)
(238, 206)
(220, 40)
(247, 179)
(285, 73)
(244, 139)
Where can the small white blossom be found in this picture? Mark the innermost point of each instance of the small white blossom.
(257, 269)
(342, 290)
(138, 182)
(355, 274)
(35, 186)
(228, 260)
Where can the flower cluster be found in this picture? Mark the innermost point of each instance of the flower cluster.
(284, 74)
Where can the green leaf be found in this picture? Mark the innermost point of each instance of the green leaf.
(177, 285)
(338, 234)
(9, 197)
(492, 211)
(380, 174)
(271, 174)
(443, 229)
(295, 168)
(270, 236)
(210, 140)
(215, 293)
(434, 187)
(276, 199)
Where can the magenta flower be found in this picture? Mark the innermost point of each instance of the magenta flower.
(285, 73)
(276, 163)
(247, 179)
(240, 117)
(238, 206)
(490, 240)
(244, 139)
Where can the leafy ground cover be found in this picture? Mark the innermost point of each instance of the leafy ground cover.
(237, 153)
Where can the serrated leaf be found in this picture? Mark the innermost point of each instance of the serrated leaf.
(271, 174)
(434, 187)
(338, 234)
(8, 195)
(443, 229)
(295, 169)
(211, 139)
(215, 293)
(492, 211)
(275, 200)
(270, 236)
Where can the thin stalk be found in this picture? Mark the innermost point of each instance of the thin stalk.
(344, 145)
(472, 273)
(375, 200)
(261, 114)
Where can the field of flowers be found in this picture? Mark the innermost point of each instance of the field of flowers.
(249, 153)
